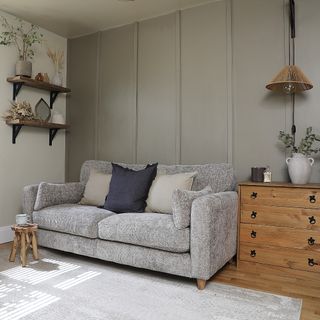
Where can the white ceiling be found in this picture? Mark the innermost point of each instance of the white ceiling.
(73, 18)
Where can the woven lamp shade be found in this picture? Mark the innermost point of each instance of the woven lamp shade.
(290, 80)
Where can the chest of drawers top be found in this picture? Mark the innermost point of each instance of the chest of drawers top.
(281, 194)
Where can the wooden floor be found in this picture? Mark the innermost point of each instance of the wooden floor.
(296, 284)
(292, 283)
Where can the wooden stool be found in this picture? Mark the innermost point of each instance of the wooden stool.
(24, 237)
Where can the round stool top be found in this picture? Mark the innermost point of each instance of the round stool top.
(29, 227)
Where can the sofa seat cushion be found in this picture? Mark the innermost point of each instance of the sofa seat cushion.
(71, 218)
(152, 230)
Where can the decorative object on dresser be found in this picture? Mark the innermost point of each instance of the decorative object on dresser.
(279, 225)
(23, 37)
(299, 165)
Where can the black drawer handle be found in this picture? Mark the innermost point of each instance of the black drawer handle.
(253, 253)
(253, 234)
(311, 241)
(253, 214)
(311, 262)
(253, 195)
(312, 199)
(312, 220)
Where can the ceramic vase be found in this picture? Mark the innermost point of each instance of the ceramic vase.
(24, 68)
(299, 167)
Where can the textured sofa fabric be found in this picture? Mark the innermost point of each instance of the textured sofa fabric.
(219, 176)
(51, 194)
(213, 232)
(71, 218)
(152, 230)
(29, 197)
(195, 252)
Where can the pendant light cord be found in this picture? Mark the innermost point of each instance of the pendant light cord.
(292, 36)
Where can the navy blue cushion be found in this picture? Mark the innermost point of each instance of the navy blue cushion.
(129, 189)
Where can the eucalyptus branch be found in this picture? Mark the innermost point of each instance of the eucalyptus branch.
(306, 145)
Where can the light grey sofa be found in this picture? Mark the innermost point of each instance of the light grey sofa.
(147, 240)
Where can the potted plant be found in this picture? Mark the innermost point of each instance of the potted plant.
(300, 164)
(23, 37)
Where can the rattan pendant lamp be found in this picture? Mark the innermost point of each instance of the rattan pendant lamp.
(291, 79)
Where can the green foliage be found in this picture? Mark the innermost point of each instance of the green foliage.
(306, 145)
(22, 36)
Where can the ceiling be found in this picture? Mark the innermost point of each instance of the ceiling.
(73, 18)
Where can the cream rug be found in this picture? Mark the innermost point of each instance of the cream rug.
(63, 286)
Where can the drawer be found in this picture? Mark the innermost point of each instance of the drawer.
(282, 257)
(280, 237)
(280, 196)
(281, 216)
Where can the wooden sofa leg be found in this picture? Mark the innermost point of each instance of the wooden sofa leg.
(201, 284)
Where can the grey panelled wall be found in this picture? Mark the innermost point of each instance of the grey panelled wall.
(204, 105)
(158, 99)
(81, 105)
(157, 90)
(117, 102)
(189, 87)
(259, 114)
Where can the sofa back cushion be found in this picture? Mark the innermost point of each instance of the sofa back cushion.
(219, 176)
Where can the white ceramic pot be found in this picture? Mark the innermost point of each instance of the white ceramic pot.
(299, 167)
(22, 219)
(24, 68)
(57, 118)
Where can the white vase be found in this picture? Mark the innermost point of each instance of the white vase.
(299, 167)
(57, 79)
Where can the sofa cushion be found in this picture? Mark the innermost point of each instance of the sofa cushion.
(129, 188)
(71, 218)
(181, 205)
(51, 194)
(97, 188)
(153, 230)
(160, 194)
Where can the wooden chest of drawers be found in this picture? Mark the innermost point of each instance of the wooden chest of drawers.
(279, 225)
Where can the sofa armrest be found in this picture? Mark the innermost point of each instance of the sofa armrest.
(29, 195)
(213, 234)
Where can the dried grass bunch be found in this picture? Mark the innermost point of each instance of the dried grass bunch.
(57, 58)
(19, 111)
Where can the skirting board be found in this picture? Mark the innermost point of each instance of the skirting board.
(6, 234)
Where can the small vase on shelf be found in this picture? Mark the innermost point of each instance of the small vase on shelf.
(24, 68)
(57, 79)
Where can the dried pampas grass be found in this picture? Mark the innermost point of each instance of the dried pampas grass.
(57, 58)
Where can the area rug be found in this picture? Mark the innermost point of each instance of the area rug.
(65, 286)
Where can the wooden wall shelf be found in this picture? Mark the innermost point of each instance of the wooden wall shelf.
(18, 124)
(20, 81)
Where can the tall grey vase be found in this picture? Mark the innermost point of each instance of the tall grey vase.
(24, 68)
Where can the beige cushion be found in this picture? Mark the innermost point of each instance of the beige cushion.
(160, 194)
(96, 189)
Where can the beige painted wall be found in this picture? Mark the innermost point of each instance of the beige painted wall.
(194, 86)
(31, 159)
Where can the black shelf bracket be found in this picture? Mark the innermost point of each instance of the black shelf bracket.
(52, 134)
(53, 96)
(16, 88)
(15, 131)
